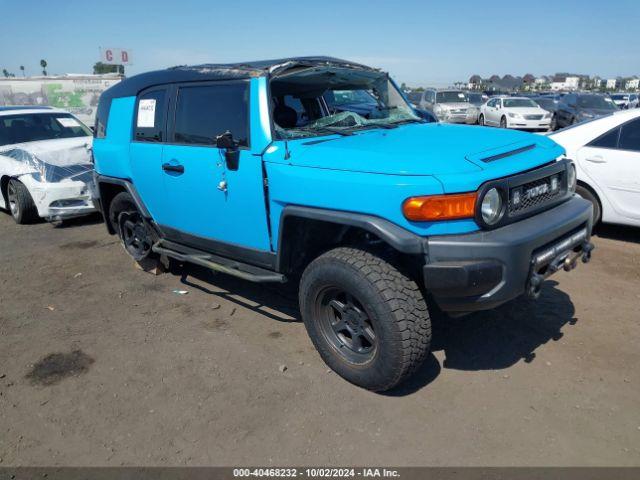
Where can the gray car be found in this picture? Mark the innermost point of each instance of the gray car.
(450, 106)
(579, 107)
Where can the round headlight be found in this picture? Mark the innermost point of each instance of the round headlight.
(571, 177)
(491, 208)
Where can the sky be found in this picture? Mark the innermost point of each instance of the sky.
(420, 43)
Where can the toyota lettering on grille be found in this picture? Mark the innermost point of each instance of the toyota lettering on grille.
(536, 191)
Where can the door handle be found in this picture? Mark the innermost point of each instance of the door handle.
(168, 167)
(596, 159)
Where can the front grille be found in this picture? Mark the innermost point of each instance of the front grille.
(536, 194)
(533, 117)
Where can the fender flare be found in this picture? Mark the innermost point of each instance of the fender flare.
(129, 187)
(397, 237)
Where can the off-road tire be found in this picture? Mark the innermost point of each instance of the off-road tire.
(123, 204)
(24, 209)
(393, 302)
(587, 194)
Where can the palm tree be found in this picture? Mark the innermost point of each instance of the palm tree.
(43, 64)
(22, 68)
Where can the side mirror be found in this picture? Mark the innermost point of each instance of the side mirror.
(226, 142)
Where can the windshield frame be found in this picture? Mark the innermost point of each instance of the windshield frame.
(324, 131)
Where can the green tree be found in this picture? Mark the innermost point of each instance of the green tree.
(100, 68)
(5, 72)
(43, 64)
(22, 68)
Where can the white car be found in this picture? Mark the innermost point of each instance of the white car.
(625, 100)
(45, 164)
(514, 112)
(606, 152)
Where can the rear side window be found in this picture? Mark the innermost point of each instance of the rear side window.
(102, 116)
(151, 115)
(630, 136)
(206, 111)
(608, 140)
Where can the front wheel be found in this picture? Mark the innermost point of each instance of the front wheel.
(590, 196)
(367, 319)
(481, 120)
(21, 205)
(553, 125)
(503, 122)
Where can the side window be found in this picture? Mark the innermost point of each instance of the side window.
(206, 111)
(630, 136)
(102, 116)
(608, 140)
(151, 116)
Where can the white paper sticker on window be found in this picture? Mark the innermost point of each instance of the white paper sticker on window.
(460, 95)
(147, 113)
(68, 122)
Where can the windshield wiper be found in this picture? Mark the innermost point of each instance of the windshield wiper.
(337, 131)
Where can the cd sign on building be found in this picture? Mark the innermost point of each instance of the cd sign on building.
(115, 56)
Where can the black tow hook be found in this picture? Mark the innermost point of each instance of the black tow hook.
(587, 248)
(535, 286)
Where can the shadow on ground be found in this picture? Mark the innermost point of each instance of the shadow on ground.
(491, 340)
(622, 233)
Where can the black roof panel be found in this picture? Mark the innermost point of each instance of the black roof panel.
(133, 85)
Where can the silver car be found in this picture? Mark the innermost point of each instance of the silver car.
(450, 106)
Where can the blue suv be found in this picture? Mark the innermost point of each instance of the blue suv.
(376, 215)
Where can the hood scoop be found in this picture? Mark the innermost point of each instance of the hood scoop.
(505, 151)
(499, 156)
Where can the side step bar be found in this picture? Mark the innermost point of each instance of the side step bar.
(219, 264)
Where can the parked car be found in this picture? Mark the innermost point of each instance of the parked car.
(625, 100)
(477, 99)
(415, 100)
(514, 112)
(578, 107)
(606, 152)
(546, 103)
(450, 106)
(45, 164)
(209, 165)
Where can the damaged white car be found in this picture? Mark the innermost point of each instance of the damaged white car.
(45, 164)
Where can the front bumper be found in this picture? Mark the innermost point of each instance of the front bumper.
(63, 200)
(468, 118)
(482, 270)
(543, 124)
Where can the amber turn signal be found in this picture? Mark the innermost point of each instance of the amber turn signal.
(440, 207)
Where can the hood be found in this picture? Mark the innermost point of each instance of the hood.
(527, 110)
(50, 160)
(596, 112)
(426, 149)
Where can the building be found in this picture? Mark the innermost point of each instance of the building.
(77, 93)
(632, 83)
(565, 82)
(613, 83)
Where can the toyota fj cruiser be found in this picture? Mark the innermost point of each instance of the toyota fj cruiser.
(246, 169)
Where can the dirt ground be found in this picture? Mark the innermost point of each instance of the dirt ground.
(103, 364)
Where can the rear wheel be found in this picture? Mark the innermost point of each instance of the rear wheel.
(553, 125)
(134, 232)
(21, 205)
(587, 194)
(368, 320)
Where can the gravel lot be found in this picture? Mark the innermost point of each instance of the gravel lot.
(103, 364)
